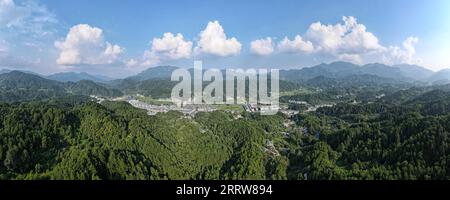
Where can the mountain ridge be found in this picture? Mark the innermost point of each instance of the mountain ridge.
(78, 76)
(20, 86)
(336, 70)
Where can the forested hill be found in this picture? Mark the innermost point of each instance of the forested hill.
(86, 140)
(116, 141)
(340, 70)
(352, 127)
(75, 77)
(86, 87)
(18, 86)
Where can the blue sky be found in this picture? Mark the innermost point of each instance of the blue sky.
(118, 38)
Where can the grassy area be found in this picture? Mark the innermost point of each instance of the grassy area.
(233, 107)
(150, 100)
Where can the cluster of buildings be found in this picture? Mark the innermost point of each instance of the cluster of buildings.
(311, 108)
(260, 107)
(190, 110)
(193, 109)
(314, 108)
(97, 98)
(151, 109)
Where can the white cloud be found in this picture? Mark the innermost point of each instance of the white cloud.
(296, 45)
(85, 45)
(172, 47)
(10, 13)
(169, 47)
(395, 54)
(132, 63)
(28, 17)
(349, 37)
(112, 52)
(262, 47)
(349, 41)
(353, 58)
(23, 23)
(150, 60)
(214, 41)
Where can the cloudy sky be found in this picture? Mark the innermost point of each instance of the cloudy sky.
(118, 38)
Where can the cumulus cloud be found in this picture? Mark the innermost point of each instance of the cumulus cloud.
(404, 54)
(214, 41)
(348, 37)
(85, 45)
(169, 47)
(172, 47)
(353, 58)
(296, 45)
(132, 63)
(348, 41)
(262, 47)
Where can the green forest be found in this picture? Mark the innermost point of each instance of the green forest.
(80, 139)
(371, 129)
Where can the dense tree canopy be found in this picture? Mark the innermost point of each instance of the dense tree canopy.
(117, 141)
(357, 130)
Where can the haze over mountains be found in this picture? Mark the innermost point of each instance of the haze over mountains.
(340, 70)
(66, 76)
(336, 70)
(74, 77)
(156, 82)
(384, 118)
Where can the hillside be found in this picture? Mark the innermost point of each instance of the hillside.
(441, 77)
(161, 72)
(415, 72)
(20, 86)
(86, 87)
(75, 77)
(339, 70)
(114, 141)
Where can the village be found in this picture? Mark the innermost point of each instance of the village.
(192, 109)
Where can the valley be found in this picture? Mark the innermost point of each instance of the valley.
(336, 121)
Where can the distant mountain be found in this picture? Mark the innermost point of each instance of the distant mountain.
(153, 82)
(161, 72)
(87, 87)
(414, 71)
(4, 71)
(20, 86)
(339, 70)
(441, 77)
(333, 70)
(20, 80)
(74, 77)
(384, 71)
(366, 80)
